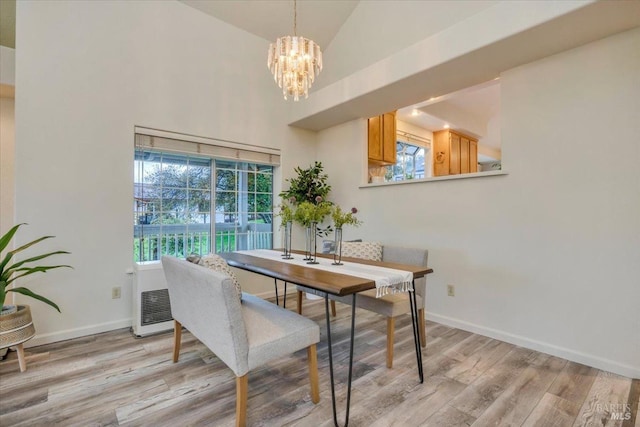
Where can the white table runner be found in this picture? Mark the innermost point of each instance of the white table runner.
(388, 280)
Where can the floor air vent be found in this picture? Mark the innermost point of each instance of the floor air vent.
(156, 307)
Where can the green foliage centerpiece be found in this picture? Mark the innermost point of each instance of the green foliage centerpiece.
(340, 219)
(308, 192)
(309, 215)
(308, 185)
(286, 220)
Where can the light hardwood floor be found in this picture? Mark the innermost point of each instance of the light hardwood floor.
(114, 379)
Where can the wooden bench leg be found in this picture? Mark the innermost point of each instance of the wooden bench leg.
(390, 331)
(333, 308)
(299, 302)
(21, 360)
(177, 337)
(423, 328)
(242, 393)
(313, 373)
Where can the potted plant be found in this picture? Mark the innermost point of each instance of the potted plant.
(16, 325)
(308, 185)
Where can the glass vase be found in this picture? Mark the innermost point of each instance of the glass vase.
(287, 241)
(312, 243)
(307, 243)
(337, 253)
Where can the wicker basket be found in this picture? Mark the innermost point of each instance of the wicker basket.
(16, 328)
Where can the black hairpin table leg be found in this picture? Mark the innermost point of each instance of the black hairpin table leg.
(353, 327)
(416, 329)
(275, 284)
(284, 298)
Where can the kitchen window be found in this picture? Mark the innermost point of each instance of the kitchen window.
(410, 163)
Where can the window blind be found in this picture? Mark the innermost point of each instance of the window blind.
(210, 147)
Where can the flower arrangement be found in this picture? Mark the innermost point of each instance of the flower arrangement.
(286, 213)
(341, 218)
(308, 212)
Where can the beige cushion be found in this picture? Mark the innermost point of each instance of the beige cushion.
(363, 250)
(219, 264)
(390, 305)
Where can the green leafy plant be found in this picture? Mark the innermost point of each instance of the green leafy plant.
(285, 212)
(11, 272)
(308, 212)
(308, 185)
(341, 218)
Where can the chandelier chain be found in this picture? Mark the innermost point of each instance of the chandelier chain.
(295, 18)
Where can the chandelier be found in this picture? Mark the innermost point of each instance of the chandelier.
(294, 62)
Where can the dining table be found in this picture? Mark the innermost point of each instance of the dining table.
(354, 276)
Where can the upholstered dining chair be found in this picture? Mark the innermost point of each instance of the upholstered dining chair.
(244, 333)
(391, 305)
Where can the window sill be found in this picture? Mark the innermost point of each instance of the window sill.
(436, 179)
(149, 265)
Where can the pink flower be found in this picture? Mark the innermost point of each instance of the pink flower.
(354, 210)
(318, 199)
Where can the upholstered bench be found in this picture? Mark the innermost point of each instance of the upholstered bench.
(242, 330)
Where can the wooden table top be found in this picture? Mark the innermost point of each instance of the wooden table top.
(325, 281)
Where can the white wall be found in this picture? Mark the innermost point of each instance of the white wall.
(88, 72)
(547, 256)
(415, 130)
(7, 153)
(7, 66)
(7, 139)
(377, 29)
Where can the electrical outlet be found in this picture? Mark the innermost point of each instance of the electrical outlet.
(115, 292)
(451, 290)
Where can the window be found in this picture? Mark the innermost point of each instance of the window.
(244, 205)
(409, 163)
(172, 211)
(181, 200)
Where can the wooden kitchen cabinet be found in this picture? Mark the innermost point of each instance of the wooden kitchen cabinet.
(473, 156)
(382, 139)
(464, 155)
(454, 153)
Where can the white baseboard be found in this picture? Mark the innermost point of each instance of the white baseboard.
(41, 339)
(554, 350)
(575, 356)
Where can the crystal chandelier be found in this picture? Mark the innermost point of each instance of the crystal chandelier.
(294, 62)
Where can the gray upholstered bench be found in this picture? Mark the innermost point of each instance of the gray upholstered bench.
(244, 333)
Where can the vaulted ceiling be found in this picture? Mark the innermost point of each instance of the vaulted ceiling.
(318, 20)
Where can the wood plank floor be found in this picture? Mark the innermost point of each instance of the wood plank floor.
(114, 379)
